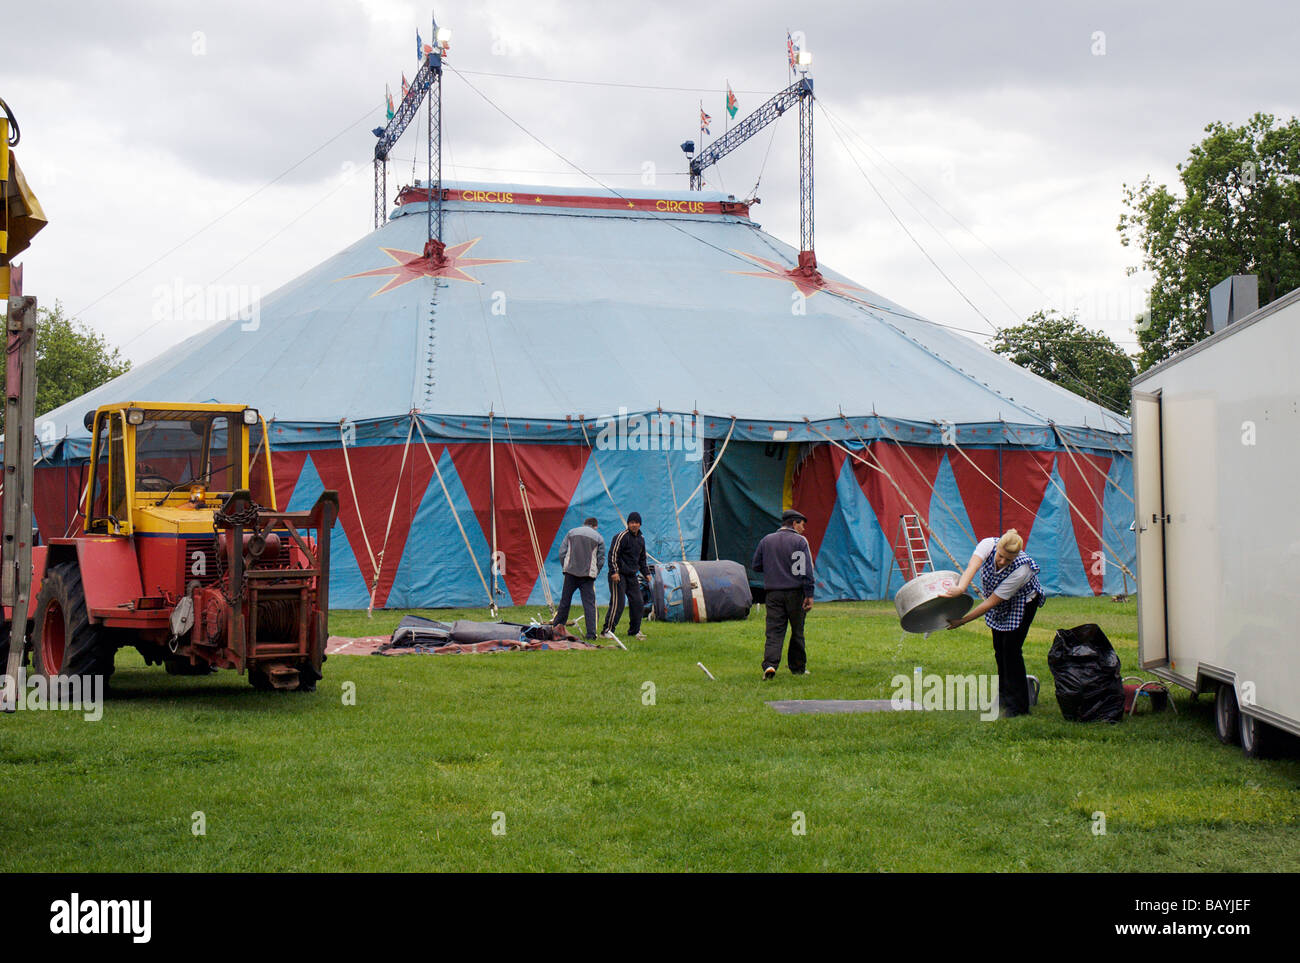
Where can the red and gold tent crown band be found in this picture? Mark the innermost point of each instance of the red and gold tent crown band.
(513, 198)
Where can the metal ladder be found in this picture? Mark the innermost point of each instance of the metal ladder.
(912, 538)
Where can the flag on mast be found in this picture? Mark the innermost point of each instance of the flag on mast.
(791, 50)
(705, 119)
(406, 88)
(388, 100)
(732, 105)
(420, 48)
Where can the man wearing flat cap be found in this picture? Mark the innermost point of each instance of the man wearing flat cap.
(785, 559)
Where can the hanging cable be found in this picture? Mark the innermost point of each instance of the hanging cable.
(361, 521)
(890, 478)
(716, 462)
(1083, 518)
(220, 217)
(537, 552)
(957, 448)
(934, 490)
(1088, 392)
(392, 511)
(492, 602)
(677, 512)
(1106, 475)
(762, 167)
(582, 423)
(1095, 497)
(863, 141)
(919, 246)
(708, 510)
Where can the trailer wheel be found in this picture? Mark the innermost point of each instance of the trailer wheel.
(1258, 739)
(64, 641)
(1226, 714)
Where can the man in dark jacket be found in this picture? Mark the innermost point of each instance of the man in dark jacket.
(582, 553)
(785, 559)
(626, 563)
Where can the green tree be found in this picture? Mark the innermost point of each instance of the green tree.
(1066, 353)
(71, 359)
(1238, 213)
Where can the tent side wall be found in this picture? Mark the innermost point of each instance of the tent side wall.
(411, 533)
(1073, 509)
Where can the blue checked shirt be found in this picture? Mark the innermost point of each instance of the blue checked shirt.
(1006, 616)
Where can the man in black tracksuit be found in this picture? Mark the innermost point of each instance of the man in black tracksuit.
(785, 559)
(626, 562)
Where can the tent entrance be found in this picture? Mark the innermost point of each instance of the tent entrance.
(747, 493)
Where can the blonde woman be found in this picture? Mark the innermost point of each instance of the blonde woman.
(1009, 580)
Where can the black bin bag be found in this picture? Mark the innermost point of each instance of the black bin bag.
(1089, 687)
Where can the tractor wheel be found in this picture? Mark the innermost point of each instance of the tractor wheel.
(64, 642)
(1226, 713)
(307, 678)
(4, 644)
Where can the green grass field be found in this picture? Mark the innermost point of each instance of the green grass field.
(588, 777)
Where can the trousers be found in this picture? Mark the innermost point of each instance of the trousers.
(626, 588)
(1013, 683)
(586, 587)
(785, 609)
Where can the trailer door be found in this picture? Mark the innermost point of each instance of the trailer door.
(1149, 509)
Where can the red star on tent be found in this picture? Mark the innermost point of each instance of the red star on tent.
(808, 284)
(412, 265)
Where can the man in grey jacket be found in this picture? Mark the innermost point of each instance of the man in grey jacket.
(582, 553)
(785, 559)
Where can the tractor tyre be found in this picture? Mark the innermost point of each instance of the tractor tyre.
(307, 678)
(4, 644)
(64, 641)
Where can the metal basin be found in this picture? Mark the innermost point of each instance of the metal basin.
(921, 607)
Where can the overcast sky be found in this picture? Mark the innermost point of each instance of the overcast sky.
(228, 144)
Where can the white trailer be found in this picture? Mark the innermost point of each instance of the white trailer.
(1216, 442)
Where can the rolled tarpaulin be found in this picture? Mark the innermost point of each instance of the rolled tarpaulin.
(709, 591)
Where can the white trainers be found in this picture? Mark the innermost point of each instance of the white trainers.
(640, 636)
(607, 635)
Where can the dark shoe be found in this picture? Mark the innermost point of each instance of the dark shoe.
(769, 673)
(800, 672)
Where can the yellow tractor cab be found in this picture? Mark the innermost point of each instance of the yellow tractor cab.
(163, 469)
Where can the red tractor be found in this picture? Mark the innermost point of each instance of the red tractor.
(180, 556)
